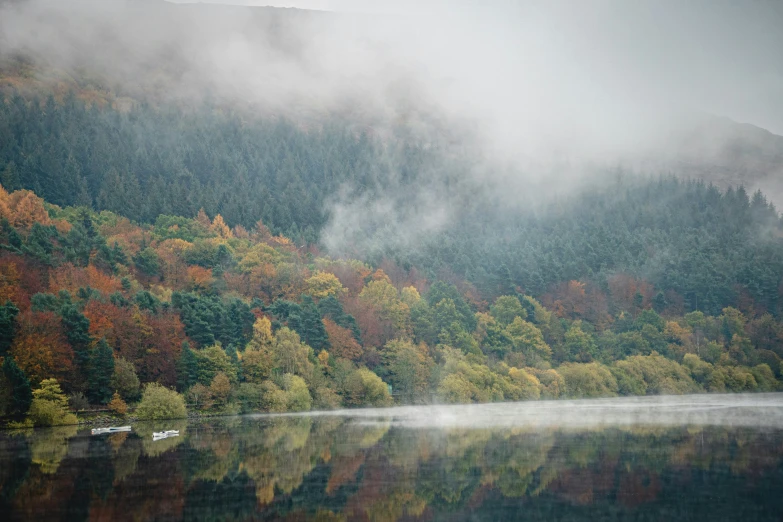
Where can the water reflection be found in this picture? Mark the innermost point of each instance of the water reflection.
(372, 466)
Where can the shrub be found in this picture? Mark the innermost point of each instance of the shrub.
(523, 386)
(764, 377)
(50, 406)
(297, 395)
(588, 380)
(275, 400)
(653, 375)
(158, 402)
(552, 384)
(364, 388)
(117, 405)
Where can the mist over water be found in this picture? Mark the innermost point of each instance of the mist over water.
(728, 410)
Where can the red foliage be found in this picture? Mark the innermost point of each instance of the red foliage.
(151, 343)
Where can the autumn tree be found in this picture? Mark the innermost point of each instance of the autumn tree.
(409, 368)
(342, 341)
(323, 284)
(49, 405)
(220, 388)
(125, 381)
(528, 340)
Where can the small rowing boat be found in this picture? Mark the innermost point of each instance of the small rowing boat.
(157, 435)
(113, 429)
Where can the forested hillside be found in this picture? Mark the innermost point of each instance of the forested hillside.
(240, 319)
(704, 249)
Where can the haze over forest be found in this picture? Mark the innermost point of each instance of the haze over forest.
(505, 197)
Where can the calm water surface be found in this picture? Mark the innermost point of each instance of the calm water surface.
(672, 458)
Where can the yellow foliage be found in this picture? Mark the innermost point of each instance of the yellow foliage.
(323, 284)
(117, 405)
(220, 228)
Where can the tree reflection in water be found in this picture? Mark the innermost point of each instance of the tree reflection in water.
(349, 468)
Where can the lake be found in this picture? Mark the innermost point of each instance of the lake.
(709, 457)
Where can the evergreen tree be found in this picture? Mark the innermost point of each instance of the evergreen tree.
(187, 368)
(312, 328)
(21, 391)
(100, 372)
(77, 331)
(8, 313)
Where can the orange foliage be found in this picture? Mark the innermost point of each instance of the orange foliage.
(342, 341)
(9, 281)
(25, 279)
(40, 348)
(23, 208)
(101, 324)
(71, 278)
(127, 235)
(199, 276)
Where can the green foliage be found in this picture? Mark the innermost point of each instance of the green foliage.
(8, 313)
(297, 395)
(50, 406)
(100, 373)
(77, 331)
(365, 388)
(506, 308)
(528, 340)
(588, 380)
(579, 345)
(187, 368)
(652, 375)
(213, 360)
(125, 381)
(408, 367)
(146, 261)
(21, 394)
(158, 402)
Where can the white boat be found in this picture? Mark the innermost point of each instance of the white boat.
(113, 429)
(157, 435)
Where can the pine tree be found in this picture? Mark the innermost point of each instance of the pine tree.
(8, 313)
(312, 328)
(187, 368)
(21, 392)
(77, 331)
(100, 372)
